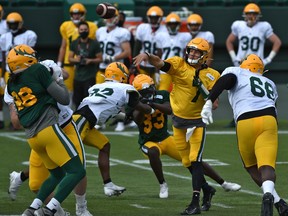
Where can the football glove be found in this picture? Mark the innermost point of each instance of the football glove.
(206, 112)
(108, 59)
(267, 61)
(2, 83)
(57, 73)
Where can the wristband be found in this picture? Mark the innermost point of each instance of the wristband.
(59, 63)
(271, 55)
(232, 54)
(148, 54)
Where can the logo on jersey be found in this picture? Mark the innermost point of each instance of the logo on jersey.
(210, 76)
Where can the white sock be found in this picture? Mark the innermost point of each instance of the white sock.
(36, 204)
(276, 196)
(53, 204)
(268, 186)
(80, 199)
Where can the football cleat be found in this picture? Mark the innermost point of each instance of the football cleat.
(81, 210)
(192, 210)
(207, 197)
(15, 183)
(282, 207)
(44, 212)
(110, 189)
(61, 212)
(120, 127)
(29, 212)
(163, 190)
(230, 186)
(267, 204)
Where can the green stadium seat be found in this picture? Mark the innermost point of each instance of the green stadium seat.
(182, 3)
(15, 3)
(237, 2)
(203, 3)
(4, 3)
(152, 2)
(50, 2)
(266, 3)
(281, 2)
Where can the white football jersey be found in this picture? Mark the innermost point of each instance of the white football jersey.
(172, 45)
(110, 42)
(252, 91)
(145, 34)
(207, 35)
(107, 99)
(3, 29)
(7, 41)
(65, 111)
(251, 39)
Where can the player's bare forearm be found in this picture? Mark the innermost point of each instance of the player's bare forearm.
(138, 117)
(164, 108)
(14, 117)
(148, 57)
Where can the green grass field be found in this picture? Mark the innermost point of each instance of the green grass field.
(130, 168)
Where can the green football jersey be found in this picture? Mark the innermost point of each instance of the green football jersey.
(29, 93)
(154, 128)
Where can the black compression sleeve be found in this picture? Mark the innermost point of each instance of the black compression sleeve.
(166, 67)
(226, 82)
(133, 99)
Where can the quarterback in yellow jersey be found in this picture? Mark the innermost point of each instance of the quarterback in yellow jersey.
(191, 79)
(69, 32)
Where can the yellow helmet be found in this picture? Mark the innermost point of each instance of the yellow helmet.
(144, 84)
(14, 21)
(1, 12)
(117, 71)
(154, 16)
(253, 63)
(173, 22)
(194, 23)
(21, 57)
(201, 45)
(77, 8)
(251, 9)
(142, 81)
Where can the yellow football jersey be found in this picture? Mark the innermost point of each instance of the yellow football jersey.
(69, 32)
(186, 101)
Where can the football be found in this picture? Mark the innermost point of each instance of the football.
(105, 10)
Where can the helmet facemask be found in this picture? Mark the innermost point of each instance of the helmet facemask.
(173, 27)
(79, 17)
(200, 59)
(148, 93)
(154, 21)
(194, 28)
(251, 18)
(112, 21)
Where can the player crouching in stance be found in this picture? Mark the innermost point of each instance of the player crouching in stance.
(35, 96)
(252, 98)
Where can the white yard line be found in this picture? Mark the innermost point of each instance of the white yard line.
(13, 135)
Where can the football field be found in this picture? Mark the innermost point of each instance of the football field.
(131, 169)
